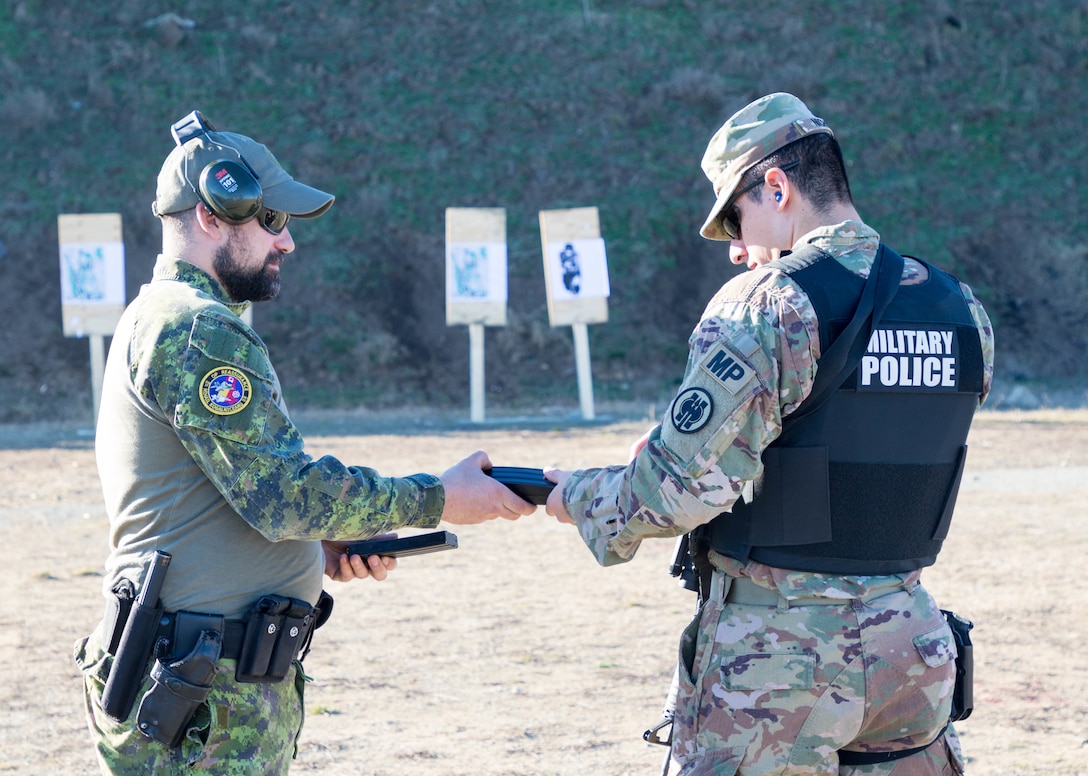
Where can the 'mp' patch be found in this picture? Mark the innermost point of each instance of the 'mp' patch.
(727, 368)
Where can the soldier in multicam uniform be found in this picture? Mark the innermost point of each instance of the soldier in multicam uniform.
(815, 649)
(199, 458)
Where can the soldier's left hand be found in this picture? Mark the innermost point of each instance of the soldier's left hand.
(640, 444)
(341, 567)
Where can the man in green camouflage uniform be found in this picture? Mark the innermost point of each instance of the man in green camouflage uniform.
(199, 458)
(782, 667)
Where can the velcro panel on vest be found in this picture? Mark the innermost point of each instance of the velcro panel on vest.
(875, 526)
(902, 494)
(793, 503)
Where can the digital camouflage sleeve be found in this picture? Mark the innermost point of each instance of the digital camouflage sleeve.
(210, 376)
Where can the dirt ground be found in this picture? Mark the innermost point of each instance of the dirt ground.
(516, 653)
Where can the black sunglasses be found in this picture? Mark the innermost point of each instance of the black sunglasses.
(273, 221)
(730, 214)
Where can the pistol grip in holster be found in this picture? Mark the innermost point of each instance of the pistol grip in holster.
(178, 689)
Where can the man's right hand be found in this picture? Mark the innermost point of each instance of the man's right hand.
(474, 497)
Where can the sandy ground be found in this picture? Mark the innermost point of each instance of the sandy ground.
(516, 653)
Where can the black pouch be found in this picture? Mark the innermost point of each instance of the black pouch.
(187, 629)
(275, 631)
(129, 667)
(118, 607)
(178, 689)
(963, 702)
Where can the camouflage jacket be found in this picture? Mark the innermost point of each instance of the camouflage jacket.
(198, 457)
(679, 481)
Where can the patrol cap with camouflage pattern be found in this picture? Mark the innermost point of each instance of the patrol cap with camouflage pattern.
(750, 135)
(176, 190)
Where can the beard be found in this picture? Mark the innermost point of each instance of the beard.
(247, 284)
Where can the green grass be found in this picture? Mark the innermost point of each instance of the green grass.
(954, 127)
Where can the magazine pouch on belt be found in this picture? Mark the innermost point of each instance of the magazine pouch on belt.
(275, 632)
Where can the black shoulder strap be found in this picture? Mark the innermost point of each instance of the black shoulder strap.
(844, 355)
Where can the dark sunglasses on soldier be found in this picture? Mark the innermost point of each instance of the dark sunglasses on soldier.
(730, 213)
(273, 221)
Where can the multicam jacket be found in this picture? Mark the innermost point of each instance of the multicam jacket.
(764, 323)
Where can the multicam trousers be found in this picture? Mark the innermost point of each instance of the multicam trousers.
(241, 730)
(780, 689)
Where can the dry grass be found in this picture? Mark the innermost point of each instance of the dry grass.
(516, 654)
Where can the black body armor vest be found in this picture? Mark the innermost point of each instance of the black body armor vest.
(866, 483)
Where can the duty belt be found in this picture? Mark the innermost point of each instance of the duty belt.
(172, 625)
(177, 632)
(185, 647)
(233, 633)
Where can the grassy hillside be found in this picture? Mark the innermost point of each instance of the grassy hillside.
(962, 124)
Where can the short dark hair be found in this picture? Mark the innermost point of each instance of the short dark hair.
(820, 174)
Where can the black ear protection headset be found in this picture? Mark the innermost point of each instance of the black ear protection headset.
(229, 188)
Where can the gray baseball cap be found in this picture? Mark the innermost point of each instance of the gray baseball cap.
(176, 190)
(749, 136)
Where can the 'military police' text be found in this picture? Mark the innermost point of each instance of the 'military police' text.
(909, 358)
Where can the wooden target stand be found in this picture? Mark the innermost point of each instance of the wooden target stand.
(476, 285)
(576, 226)
(92, 273)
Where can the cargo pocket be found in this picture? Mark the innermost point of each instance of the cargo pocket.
(936, 647)
(686, 709)
(200, 726)
(760, 671)
(719, 762)
(93, 662)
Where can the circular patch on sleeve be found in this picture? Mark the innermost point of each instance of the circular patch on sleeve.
(691, 410)
(225, 391)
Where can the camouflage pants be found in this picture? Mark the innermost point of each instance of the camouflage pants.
(780, 689)
(241, 729)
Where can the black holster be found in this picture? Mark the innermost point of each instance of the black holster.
(691, 563)
(118, 608)
(134, 646)
(683, 565)
(178, 688)
(131, 629)
(963, 702)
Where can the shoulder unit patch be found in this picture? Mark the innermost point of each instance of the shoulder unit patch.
(691, 410)
(225, 391)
